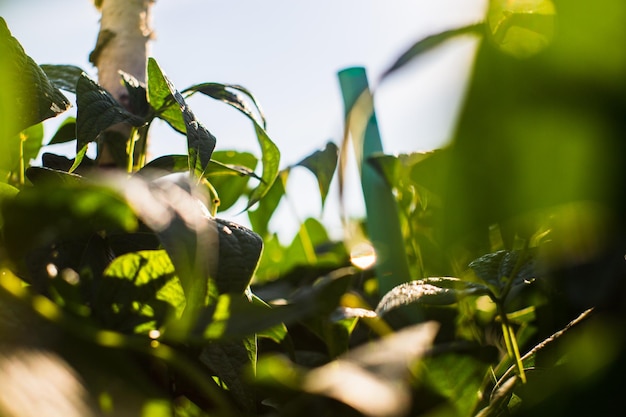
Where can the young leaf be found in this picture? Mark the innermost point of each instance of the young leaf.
(322, 164)
(26, 95)
(429, 291)
(229, 173)
(171, 107)
(97, 110)
(63, 76)
(429, 43)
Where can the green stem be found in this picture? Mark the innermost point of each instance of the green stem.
(22, 168)
(130, 150)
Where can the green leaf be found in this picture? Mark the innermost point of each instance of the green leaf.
(7, 192)
(65, 133)
(429, 291)
(239, 253)
(496, 268)
(97, 110)
(427, 44)
(228, 173)
(227, 360)
(171, 107)
(322, 164)
(238, 101)
(63, 76)
(140, 289)
(26, 95)
(270, 158)
(43, 175)
(137, 95)
(42, 215)
(28, 143)
(260, 217)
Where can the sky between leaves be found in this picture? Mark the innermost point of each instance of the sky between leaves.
(287, 54)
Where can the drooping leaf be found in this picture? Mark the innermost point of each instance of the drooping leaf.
(171, 107)
(233, 98)
(43, 175)
(97, 110)
(429, 291)
(322, 164)
(26, 95)
(64, 77)
(427, 44)
(65, 133)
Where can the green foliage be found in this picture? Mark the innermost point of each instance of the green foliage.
(496, 284)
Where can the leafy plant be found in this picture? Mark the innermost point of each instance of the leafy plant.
(495, 287)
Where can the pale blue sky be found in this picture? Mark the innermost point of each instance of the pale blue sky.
(287, 53)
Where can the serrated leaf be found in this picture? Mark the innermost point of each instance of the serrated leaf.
(26, 95)
(65, 133)
(496, 268)
(322, 164)
(429, 291)
(238, 101)
(97, 111)
(63, 76)
(170, 106)
(427, 44)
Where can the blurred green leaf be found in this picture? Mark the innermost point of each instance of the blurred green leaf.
(496, 268)
(140, 290)
(26, 95)
(63, 76)
(430, 42)
(322, 164)
(39, 216)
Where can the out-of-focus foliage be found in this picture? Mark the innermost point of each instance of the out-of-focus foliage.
(121, 293)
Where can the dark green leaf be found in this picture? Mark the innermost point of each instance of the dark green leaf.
(43, 175)
(221, 92)
(65, 133)
(26, 95)
(429, 43)
(322, 164)
(496, 268)
(97, 110)
(39, 216)
(170, 106)
(63, 76)
(137, 95)
(429, 291)
(239, 253)
(140, 289)
(6, 192)
(227, 360)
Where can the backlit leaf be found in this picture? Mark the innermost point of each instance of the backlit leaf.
(322, 164)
